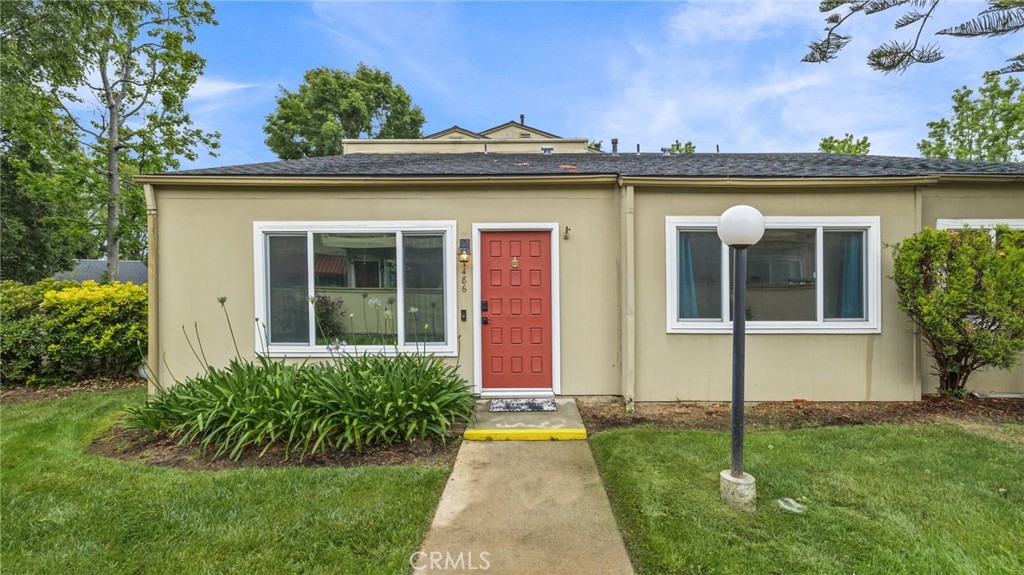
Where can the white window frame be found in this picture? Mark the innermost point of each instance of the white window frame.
(261, 230)
(870, 225)
(985, 224)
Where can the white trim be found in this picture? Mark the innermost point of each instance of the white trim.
(950, 224)
(556, 338)
(872, 277)
(260, 282)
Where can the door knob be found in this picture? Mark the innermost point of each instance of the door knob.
(483, 320)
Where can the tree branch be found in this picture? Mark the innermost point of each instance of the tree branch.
(996, 21)
(827, 49)
(149, 90)
(72, 118)
(107, 94)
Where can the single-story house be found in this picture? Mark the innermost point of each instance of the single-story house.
(564, 272)
(133, 271)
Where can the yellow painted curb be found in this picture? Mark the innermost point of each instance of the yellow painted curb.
(524, 434)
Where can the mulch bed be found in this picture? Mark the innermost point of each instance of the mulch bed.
(800, 414)
(21, 393)
(162, 450)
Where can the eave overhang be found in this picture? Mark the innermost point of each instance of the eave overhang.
(573, 179)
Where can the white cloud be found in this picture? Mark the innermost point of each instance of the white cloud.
(738, 21)
(730, 74)
(207, 88)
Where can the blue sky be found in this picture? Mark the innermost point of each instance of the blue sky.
(725, 73)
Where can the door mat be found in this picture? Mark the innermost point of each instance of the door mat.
(513, 405)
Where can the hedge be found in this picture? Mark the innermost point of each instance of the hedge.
(55, 332)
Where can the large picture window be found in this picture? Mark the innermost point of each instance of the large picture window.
(357, 286)
(805, 275)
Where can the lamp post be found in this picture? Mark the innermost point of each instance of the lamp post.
(739, 228)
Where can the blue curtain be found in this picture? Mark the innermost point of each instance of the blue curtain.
(687, 287)
(851, 291)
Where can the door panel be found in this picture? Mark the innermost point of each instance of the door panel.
(516, 340)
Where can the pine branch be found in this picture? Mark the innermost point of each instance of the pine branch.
(1016, 65)
(896, 56)
(877, 6)
(995, 21)
(827, 49)
(908, 19)
(830, 5)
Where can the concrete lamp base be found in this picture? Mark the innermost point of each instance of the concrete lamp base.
(738, 492)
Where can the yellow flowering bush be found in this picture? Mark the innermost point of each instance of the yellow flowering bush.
(80, 330)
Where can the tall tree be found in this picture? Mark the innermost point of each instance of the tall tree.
(331, 105)
(844, 145)
(44, 216)
(43, 220)
(123, 90)
(997, 18)
(989, 127)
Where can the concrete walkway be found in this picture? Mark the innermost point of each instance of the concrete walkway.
(522, 508)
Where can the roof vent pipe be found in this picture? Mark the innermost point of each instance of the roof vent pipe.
(522, 119)
(615, 146)
(638, 153)
(485, 151)
(547, 150)
(665, 151)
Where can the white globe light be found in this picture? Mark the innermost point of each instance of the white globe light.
(741, 226)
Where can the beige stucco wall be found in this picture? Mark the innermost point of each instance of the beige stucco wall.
(972, 202)
(822, 367)
(205, 250)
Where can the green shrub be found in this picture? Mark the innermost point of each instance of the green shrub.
(353, 402)
(54, 332)
(373, 400)
(96, 329)
(229, 409)
(22, 325)
(964, 291)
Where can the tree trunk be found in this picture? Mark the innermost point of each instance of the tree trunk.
(113, 196)
(953, 383)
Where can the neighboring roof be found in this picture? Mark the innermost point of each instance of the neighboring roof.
(743, 166)
(519, 126)
(96, 270)
(454, 130)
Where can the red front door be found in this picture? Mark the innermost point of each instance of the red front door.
(515, 277)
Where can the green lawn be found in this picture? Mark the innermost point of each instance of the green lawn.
(881, 499)
(67, 512)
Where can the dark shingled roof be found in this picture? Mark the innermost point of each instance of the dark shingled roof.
(635, 165)
(96, 270)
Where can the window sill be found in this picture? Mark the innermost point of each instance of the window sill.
(352, 350)
(754, 328)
